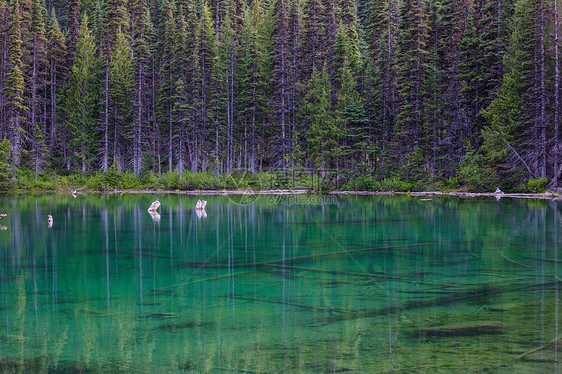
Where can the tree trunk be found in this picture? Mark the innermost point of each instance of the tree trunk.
(105, 151)
(542, 94)
(556, 151)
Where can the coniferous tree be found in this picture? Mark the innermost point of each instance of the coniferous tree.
(141, 29)
(410, 133)
(205, 78)
(321, 133)
(314, 48)
(351, 122)
(38, 65)
(505, 137)
(382, 94)
(73, 14)
(167, 41)
(81, 100)
(280, 102)
(56, 54)
(181, 109)
(120, 88)
(14, 86)
(4, 29)
(253, 73)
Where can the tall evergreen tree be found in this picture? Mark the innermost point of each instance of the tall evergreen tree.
(37, 78)
(82, 98)
(320, 130)
(14, 86)
(73, 14)
(141, 26)
(205, 79)
(56, 54)
(410, 134)
(505, 139)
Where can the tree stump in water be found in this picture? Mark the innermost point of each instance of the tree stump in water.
(154, 206)
(201, 204)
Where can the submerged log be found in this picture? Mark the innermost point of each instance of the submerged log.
(540, 348)
(464, 329)
(292, 260)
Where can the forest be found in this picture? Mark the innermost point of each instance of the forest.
(390, 94)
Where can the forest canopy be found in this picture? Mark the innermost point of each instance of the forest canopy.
(424, 92)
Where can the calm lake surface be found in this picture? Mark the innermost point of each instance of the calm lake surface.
(345, 284)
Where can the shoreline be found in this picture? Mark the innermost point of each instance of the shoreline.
(543, 196)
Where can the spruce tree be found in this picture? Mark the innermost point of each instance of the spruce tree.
(38, 72)
(142, 27)
(410, 133)
(120, 88)
(73, 14)
(56, 54)
(320, 129)
(14, 87)
(205, 78)
(505, 142)
(81, 100)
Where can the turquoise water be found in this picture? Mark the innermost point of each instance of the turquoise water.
(345, 284)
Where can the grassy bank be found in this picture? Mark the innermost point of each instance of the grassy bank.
(24, 180)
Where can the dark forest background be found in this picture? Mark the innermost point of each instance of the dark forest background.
(414, 93)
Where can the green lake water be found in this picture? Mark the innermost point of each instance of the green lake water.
(326, 284)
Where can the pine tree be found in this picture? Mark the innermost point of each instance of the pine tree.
(15, 86)
(73, 13)
(442, 109)
(38, 72)
(205, 78)
(320, 129)
(253, 71)
(142, 27)
(120, 88)
(5, 173)
(505, 141)
(348, 18)
(410, 133)
(382, 92)
(314, 46)
(56, 54)
(280, 102)
(165, 103)
(181, 109)
(39, 151)
(82, 98)
(351, 123)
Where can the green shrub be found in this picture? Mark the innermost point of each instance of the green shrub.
(169, 180)
(5, 170)
(395, 184)
(148, 179)
(112, 178)
(263, 181)
(129, 181)
(536, 185)
(96, 182)
(362, 183)
(449, 184)
(472, 174)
